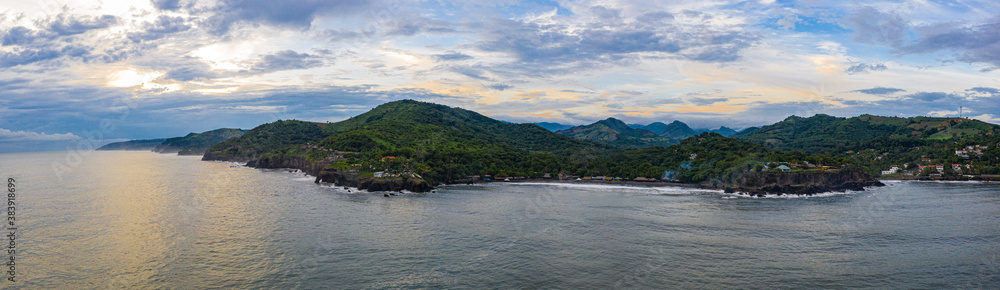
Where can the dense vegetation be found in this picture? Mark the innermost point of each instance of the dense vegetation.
(445, 144)
(876, 143)
(197, 143)
(133, 145)
(615, 132)
(675, 130)
(724, 131)
(266, 138)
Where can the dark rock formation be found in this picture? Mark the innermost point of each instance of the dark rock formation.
(292, 162)
(331, 175)
(803, 183)
(211, 156)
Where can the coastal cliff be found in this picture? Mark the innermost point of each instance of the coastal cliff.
(215, 156)
(331, 175)
(802, 183)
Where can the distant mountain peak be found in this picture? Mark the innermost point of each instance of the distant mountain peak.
(616, 132)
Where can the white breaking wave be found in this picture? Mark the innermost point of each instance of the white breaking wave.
(645, 189)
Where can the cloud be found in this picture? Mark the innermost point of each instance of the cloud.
(27, 56)
(872, 26)
(419, 25)
(453, 56)
(65, 24)
(567, 43)
(984, 90)
(285, 60)
(879, 91)
(189, 69)
(58, 37)
(863, 68)
(500, 86)
(163, 25)
(10, 136)
(167, 4)
(706, 101)
(977, 43)
(297, 14)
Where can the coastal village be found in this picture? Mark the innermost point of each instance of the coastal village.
(941, 168)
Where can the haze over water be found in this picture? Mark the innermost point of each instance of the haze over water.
(144, 220)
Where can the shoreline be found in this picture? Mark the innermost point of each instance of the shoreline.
(593, 182)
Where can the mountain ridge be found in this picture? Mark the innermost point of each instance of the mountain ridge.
(616, 132)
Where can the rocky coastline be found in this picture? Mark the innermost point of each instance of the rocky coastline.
(801, 183)
(329, 175)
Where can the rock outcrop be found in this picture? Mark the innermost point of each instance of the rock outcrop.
(802, 183)
(294, 162)
(212, 156)
(331, 175)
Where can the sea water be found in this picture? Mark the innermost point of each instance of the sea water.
(146, 220)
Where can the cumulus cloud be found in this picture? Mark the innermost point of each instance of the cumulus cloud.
(65, 24)
(163, 25)
(10, 136)
(552, 41)
(985, 90)
(55, 37)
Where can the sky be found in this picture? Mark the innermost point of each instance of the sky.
(114, 70)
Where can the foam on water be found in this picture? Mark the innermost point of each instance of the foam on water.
(623, 187)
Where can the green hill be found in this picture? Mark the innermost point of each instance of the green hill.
(406, 141)
(615, 132)
(675, 130)
(724, 131)
(440, 142)
(133, 145)
(265, 138)
(197, 143)
(875, 143)
(825, 133)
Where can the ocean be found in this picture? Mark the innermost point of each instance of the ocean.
(116, 219)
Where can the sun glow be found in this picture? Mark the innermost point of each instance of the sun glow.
(131, 78)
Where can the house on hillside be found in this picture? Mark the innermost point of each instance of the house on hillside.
(892, 170)
(784, 168)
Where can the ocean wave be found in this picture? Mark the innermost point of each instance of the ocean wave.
(792, 196)
(665, 189)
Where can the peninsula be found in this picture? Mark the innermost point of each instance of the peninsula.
(411, 145)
